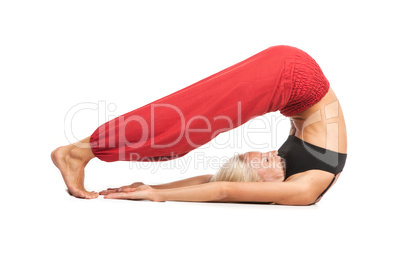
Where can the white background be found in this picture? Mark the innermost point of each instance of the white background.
(58, 54)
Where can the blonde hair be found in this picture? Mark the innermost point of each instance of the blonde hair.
(236, 169)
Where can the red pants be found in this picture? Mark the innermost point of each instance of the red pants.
(280, 78)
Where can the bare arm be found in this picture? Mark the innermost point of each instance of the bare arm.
(286, 193)
(183, 183)
(175, 184)
(298, 192)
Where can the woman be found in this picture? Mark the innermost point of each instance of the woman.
(280, 78)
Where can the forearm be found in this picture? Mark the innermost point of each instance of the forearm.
(261, 192)
(184, 183)
(286, 193)
(196, 193)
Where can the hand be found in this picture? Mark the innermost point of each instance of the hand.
(143, 192)
(120, 189)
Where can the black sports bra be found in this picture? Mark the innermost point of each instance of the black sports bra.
(301, 156)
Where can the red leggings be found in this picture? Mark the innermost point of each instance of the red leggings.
(280, 78)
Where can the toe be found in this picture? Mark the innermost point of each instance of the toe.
(94, 195)
(82, 193)
(78, 193)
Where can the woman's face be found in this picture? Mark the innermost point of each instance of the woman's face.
(269, 165)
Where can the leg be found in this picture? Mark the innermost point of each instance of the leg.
(180, 122)
(71, 161)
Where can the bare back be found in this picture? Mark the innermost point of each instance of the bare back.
(323, 124)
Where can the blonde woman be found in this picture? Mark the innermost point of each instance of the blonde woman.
(280, 78)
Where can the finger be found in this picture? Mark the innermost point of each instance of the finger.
(118, 196)
(111, 190)
(104, 192)
(123, 187)
(117, 188)
(129, 190)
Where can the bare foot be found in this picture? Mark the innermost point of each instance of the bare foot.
(71, 165)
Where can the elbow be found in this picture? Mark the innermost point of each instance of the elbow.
(306, 200)
(307, 197)
(304, 197)
(298, 201)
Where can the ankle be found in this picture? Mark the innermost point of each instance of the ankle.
(81, 154)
